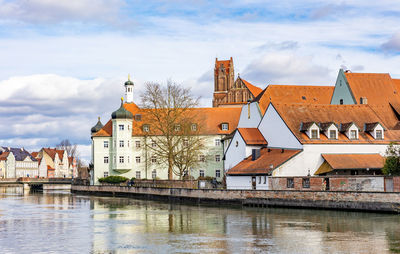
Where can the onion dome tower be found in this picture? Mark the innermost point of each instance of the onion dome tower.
(121, 113)
(97, 127)
(129, 90)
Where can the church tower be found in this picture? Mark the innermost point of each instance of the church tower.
(129, 90)
(223, 80)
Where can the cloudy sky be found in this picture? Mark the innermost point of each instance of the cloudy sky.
(63, 63)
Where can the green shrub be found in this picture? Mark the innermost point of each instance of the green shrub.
(392, 162)
(113, 179)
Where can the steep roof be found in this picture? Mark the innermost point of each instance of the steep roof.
(294, 114)
(211, 120)
(252, 136)
(53, 151)
(350, 161)
(254, 90)
(378, 88)
(4, 155)
(34, 154)
(19, 153)
(262, 165)
(294, 94)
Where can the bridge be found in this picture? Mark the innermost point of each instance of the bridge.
(38, 183)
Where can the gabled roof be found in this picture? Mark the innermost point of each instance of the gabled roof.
(294, 114)
(252, 136)
(269, 160)
(34, 154)
(254, 90)
(325, 126)
(53, 151)
(4, 155)
(378, 88)
(210, 119)
(343, 127)
(19, 153)
(371, 126)
(294, 94)
(351, 161)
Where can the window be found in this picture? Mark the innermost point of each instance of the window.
(121, 127)
(115, 160)
(138, 175)
(153, 159)
(217, 173)
(146, 128)
(185, 143)
(193, 127)
(217, 142)
(290, 183)
(265, 179)
(115, 143)
(137, 144)
(341, 102)
(378, 134)
(128, 143)
(259, 180)
(177, 127)
(137, 159)
(353, 134)
(154, 174)
(105, 159)
(105, 174)
(153, 144)
(217, 158)
(332, 134)
(105, 144)
(237, 143)
(129, 127)
(121, 159)
(225, 126)
(306, 182)
(138, 117)
(202, 158)
(129, 160)
(121, 143)
(314, 134)
(201, 173)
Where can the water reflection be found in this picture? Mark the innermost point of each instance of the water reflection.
(65, 223)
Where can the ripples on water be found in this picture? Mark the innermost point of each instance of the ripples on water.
(60, 222)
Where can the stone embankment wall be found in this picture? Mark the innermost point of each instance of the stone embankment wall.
(364, 201)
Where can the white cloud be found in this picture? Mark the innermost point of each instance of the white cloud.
(393, 44)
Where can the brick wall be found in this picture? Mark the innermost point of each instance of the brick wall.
(396, 184)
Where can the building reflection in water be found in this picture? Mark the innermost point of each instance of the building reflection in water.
(61, 222)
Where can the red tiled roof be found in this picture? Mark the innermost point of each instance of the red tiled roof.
(252, 136)
(295, 114)
(254, 90)
(34, 154)
(50, 168)
(210, 118)
(262, 165)
(354, 161)
(4, 156)
(53, 151)
(295, 94)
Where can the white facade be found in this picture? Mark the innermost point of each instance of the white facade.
(259, 182)
(250, 116)
(276, 132)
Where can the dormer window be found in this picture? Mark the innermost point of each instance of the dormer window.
(332, 134)
(311, 129)
(314, 134)
(353, 134)
(350, 130)
(177, 127)
(375, 129)
(225, 126)
(138, 117)
(146, 128)
(329, 129)
(193, 127)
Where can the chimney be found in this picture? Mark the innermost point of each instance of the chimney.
(22, 149)
(248, 108)
(283, 150)
(255, 154)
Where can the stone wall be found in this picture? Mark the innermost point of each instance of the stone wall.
(365, 201)
(336, 183)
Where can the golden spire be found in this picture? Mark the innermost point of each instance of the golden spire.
(98, 118)
(129, 77)
(122, 99)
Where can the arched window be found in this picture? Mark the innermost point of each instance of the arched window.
(341, 101)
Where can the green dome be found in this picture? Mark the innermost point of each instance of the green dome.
(127, 83)
(97, 127)
(121, 113)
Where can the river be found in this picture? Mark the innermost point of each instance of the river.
(61, 222)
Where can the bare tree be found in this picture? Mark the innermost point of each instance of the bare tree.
(72, 151)
(173, 126)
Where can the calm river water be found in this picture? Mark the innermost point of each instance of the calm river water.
(61, 222)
